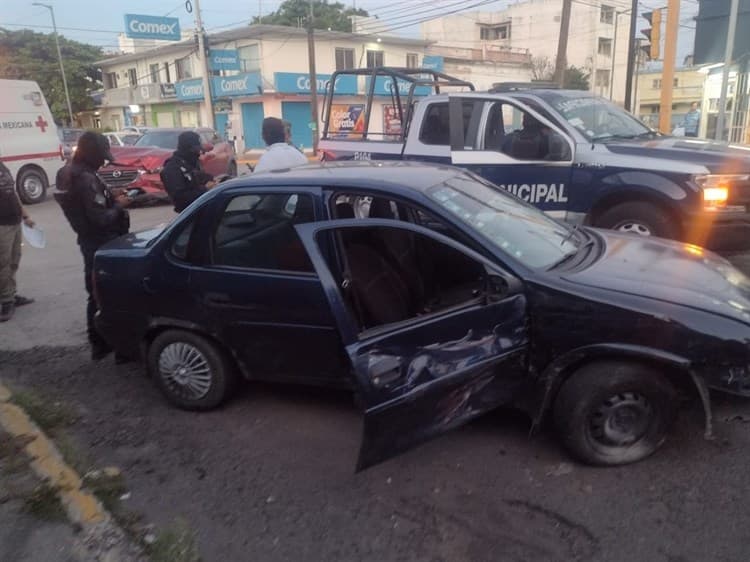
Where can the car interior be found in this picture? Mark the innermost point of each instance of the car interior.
(521, 136)
(392, 275)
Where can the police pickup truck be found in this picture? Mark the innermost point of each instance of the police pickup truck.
(574, 155)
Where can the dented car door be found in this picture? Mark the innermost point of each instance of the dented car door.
(424, 376)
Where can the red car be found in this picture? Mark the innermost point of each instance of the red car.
(137, 167)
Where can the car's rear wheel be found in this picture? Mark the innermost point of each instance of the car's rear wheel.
(32, 185)
(191, 371)
(639, 217)
(612, 413)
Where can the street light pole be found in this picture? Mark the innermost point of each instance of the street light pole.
(59, 58)
(313, 79)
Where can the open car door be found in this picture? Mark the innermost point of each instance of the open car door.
(424, 375)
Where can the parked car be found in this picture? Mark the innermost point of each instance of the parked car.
(69, 139)
(136, 168)
(122, 138)
(452, 297)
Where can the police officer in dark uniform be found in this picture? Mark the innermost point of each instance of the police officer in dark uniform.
(96, 215)
(182, 175)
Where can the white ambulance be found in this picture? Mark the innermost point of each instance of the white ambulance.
(29, 145)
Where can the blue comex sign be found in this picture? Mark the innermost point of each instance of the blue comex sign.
(433, 62)
(224, 59)
(152, 27)
(221, 86)
(295, 83)
(384, 87)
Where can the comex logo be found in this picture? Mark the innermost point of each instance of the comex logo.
(156, 28)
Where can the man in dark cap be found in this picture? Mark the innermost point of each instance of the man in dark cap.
(95, 215)
(182, 175)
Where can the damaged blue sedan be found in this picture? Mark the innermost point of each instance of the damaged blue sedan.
(436, 297)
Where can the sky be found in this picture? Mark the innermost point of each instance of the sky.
(99, 22)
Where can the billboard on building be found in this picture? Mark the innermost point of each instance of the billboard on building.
(138, 26)
(346, 120)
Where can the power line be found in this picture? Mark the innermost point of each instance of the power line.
(389, 21)
(421, 19)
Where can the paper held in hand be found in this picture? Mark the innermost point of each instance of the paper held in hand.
(34, 236)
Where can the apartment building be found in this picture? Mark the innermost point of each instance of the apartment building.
(687, 87)
(597, 41)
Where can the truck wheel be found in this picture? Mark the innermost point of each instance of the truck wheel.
(639, 217)
(612, 413)
(32, 186)
(192, 372)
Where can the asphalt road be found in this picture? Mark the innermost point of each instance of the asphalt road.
(271, 475)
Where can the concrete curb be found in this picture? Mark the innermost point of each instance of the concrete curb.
(103, 539)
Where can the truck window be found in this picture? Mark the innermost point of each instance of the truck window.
(521, 136)
(436, 124)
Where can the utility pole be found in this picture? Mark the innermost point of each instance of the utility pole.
(313, 79)
(631, 58)
(59, 58)
(614, 58)
(203, 56)
(667, 73)
(561, 63)
(728, 52)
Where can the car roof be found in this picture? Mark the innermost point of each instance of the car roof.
(397, 176)
(177, 129)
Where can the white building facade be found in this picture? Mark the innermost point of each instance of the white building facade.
(597, 43)
(262, 72)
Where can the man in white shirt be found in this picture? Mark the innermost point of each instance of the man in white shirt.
(280, 155)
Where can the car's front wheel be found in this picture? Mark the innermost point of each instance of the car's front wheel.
(191, 371)
(639, 217)
(613, 413)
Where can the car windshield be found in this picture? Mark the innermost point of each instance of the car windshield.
(129, 139)
(518, 229)
(160, 139)
(597, 118)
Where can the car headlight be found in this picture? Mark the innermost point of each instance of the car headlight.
(716, 189)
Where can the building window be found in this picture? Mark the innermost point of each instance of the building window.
(607, 15)
(602, 78)
(154, 69)
(344, 58)
(656, 84)
(110, 80)
(184, 68)
(412, 60)
(132, 77)
(495, 32)
(249, 58)
(605, 47)
(167, 74)
(375, 58)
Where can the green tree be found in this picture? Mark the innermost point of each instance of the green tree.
(28, 55)
(576, 79)
(295, 13)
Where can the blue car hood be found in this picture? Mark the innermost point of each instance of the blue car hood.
(668, 271)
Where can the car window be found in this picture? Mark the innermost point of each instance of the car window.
(436, 125)
(180, 245)
(129, 140)
(518, 134)
(257, 232)
(395, 275)
(160, 139)
(596, 118)
(518, 229)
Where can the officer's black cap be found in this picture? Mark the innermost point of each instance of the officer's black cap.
(188, 140)
(93, 149)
